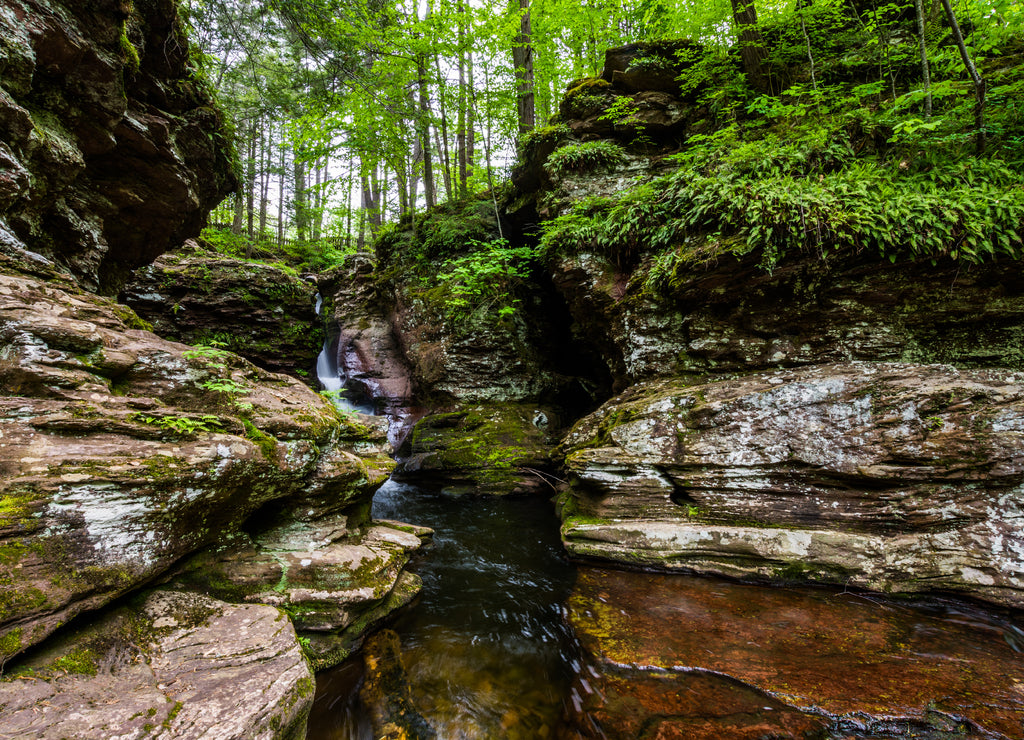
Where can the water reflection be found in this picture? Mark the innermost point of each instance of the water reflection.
(487, 650)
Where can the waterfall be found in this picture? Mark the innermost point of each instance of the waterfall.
(329, 374)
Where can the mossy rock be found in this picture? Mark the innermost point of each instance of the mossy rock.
(483, 448)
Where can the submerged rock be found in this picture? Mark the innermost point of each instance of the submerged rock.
(261, 312)
(170, 665)
(386, 692)
(683, 657)
(894, 477)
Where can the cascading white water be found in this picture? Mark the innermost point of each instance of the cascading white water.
(329, 374)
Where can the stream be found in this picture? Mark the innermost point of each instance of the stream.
(487, 648)
(508, 640)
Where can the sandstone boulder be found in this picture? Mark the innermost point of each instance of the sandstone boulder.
(170, 665)
(335, 580)
(895, 477)
(122, 452)
(261, 312)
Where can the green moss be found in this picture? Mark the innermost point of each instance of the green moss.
(11, 642)
(129, 317)
(266, 443)
(81, 661)
(166, 724)
(129, 53)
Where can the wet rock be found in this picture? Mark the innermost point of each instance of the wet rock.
(258, 311)
(113, 149)
(746, 662)
(335, 579)
(122, 452)
(736, 317)
(895, 477)
(366, 348)
(484, 448)
(170, 665)
(386, 692)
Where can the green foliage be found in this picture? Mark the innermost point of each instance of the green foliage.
(585, 157)
(484, 281)
(293, 255)
(224, 385)
(212, 355)
(185, 426)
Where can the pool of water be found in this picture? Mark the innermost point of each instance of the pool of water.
(487, 649)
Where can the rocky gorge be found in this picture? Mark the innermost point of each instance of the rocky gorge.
(186, 531)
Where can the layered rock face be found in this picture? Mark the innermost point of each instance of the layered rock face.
(259, 311)
(171, 665)
(110, 149)
(493, 392)
(736, 317)
(123, 452)
(894, 477)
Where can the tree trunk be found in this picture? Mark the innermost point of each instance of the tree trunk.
(925, 72)
(250, 195)
(265, 178)
(299, 198)
(522, 62)
(423, 126)
(460, 135)
(752, 49)
(979, 83)
(470, 120)
(282, 181)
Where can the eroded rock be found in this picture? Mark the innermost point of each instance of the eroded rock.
(336, 578)
(114, 150)
(684, 657)
(258, 311)
(170, 665)
(121, 452)
(890, 476)
(484, 448)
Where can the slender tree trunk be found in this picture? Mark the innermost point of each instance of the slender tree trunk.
(522, 62)
(979, 82)
(265, 178)
(239, 212)
(471, 120)
(443, 150)
(299, 198)
(250, 194)
(280, 200)
(460, 135)
(810, 56)
(424, 135)
(925, 72)
(752, 49)
(487, 158)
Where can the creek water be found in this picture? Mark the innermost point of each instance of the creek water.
(487, 648)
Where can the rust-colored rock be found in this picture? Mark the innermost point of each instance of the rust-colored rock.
(685, 657)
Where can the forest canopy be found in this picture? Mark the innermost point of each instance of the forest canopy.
(352, 113)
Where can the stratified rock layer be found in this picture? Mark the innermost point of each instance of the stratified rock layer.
(734, 316)
(122, 452)
(259, 311)
(173, 665)
(702, 659)
(110, 147)
(890, 476)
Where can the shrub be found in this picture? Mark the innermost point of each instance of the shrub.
(585, 157)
